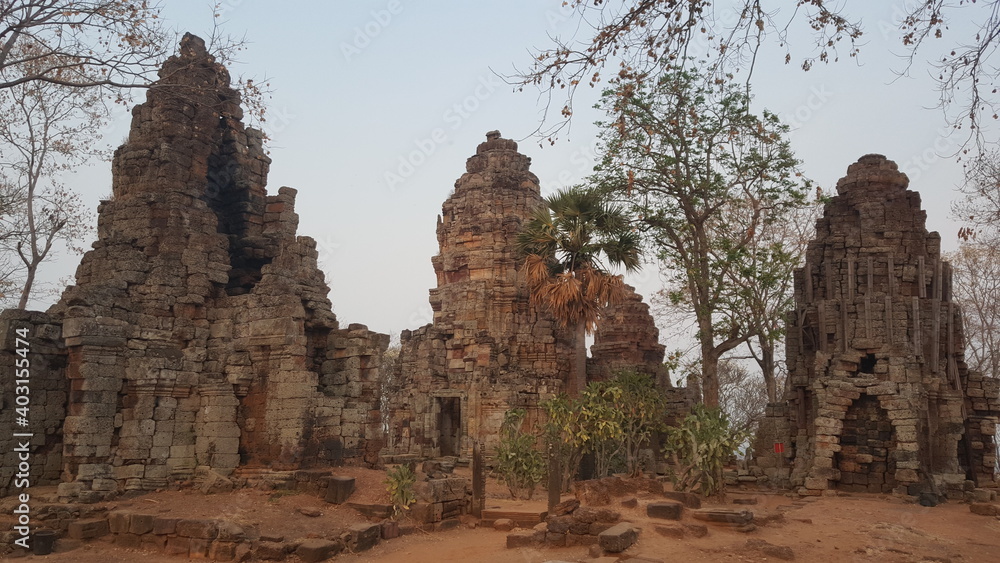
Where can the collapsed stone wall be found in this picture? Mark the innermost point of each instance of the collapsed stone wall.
(879, 397)
(199, 333)
(626, 338)
(32, 400)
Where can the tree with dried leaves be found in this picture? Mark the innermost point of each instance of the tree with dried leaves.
(569, 244)
(976, 263)
(742, 395)
(49, 130)
(701, 176)
(62, 64)
(976, 275)
(979, 208)
(110, 44)
(634, 41)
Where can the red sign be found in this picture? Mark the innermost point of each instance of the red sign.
(779, 447)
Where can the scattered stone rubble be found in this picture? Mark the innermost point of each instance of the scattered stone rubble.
(879, 397)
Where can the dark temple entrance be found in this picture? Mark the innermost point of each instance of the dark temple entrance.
(867, 456)
(450, 425)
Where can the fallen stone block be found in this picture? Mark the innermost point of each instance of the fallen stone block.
(565, 507)
(723, 516)
(314, 550)
(689, 500)
(118, 521)
(364, 536)
(503, 524)
(339, 489)
(141, 524)
(522, 538)
(88, 529)
(164, 526)
(782, 552)
(665, 510)
(201, 529)
(983, 509)
(618, 538)
(269, 551)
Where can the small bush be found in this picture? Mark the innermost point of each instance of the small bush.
(399, 483)
(699, 449)
(518, 464)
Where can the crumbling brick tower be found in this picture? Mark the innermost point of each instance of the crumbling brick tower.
(488, 348)
(879, 396)
(626, 338)
(199, 333)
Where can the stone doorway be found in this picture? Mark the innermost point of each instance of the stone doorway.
(867, 456)
(450, 425)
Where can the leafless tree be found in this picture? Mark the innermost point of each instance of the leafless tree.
(99, 43)
(49, 130)
(979, 208)
(742, 394)
(634, 40)
(976, 267)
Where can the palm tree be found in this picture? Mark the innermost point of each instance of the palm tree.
(568, 244)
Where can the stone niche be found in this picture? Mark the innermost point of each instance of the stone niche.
(879, 398)
(489, 349)
(198, 334)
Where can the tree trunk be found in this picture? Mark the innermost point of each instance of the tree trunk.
(709, 375)
(26, 290)
(767, 369)
(578, 362)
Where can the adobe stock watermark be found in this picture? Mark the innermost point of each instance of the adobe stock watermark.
(817, 98)
(454, 116)
(581, 163)
(21, 452)
(366, 33)
(944, 143)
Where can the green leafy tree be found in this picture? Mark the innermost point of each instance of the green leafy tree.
(601, 422)
(698, 449)
(564, 434)
(643, 409)
(569, 244)
(701, 176)
(518, 463)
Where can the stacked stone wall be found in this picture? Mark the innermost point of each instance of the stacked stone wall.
(875, 329)
(199, 334)
(33, 393)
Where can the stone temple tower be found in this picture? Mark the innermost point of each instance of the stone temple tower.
(488, 348)
(879, 398)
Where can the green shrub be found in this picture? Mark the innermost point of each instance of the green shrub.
(399, 483)
(518, 463)
(699, 448)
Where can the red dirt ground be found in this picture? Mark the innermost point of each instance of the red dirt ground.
(850, 528)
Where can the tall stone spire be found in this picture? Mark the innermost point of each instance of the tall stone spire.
(879, 396)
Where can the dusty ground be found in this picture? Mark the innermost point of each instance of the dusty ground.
(827, 529)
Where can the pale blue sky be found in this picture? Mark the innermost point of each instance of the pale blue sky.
(350, 105)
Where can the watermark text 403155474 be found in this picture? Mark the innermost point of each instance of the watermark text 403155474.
(22, 435)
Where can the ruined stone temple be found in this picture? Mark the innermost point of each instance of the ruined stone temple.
(489, 349)
(199, 338)
(879, 397)
(199, 333)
